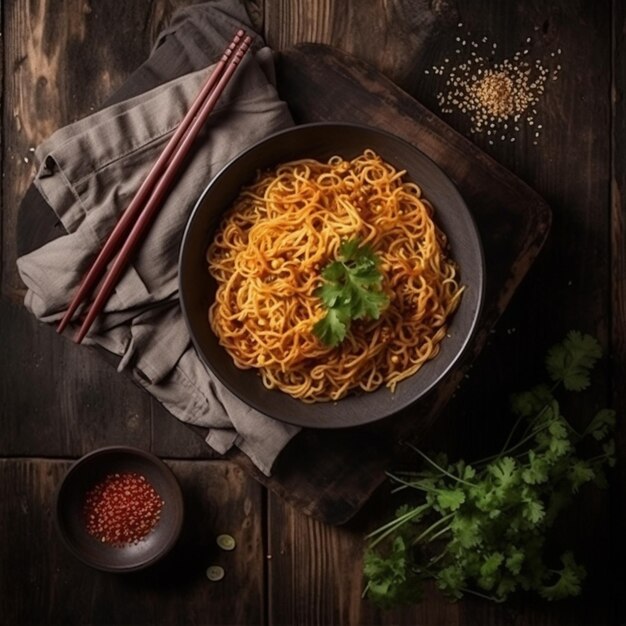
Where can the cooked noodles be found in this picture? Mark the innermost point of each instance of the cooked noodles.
(268, 254)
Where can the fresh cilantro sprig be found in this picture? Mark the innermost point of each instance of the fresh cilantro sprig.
(352, 290)
(481, 528)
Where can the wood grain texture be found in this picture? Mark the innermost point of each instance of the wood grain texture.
(315, 574)
(392, 36)
(52, 395)
(569, 286)
(618, 290)
(42, 583)
(61, 60)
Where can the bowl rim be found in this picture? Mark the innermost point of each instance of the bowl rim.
(131, 451)
(480, 286)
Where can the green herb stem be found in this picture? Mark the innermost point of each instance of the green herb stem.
(518, 445)
(496, 533)
(432, 527)
(438, 467)
(385, 530)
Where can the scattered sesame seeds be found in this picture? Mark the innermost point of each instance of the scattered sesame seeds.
(498, 96)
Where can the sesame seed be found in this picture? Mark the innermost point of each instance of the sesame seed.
(497, 96)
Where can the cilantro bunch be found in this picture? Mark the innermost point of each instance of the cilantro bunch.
(352, 290)
(481, 528)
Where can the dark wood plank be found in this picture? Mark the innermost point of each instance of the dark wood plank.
(568, 287)
(312, 560)
(42, 583)
(391, 36)
(53, 396)
(618, 292)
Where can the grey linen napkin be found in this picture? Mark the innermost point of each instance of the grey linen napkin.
(88, 173)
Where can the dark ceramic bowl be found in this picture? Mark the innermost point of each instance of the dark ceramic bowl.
(321, 141)
(92, 468)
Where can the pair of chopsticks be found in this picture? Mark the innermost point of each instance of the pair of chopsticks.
(125, 237)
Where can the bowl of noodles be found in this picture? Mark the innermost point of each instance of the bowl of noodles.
(331, 275)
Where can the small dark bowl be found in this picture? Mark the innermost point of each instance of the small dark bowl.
(320, 141)
(83, 475)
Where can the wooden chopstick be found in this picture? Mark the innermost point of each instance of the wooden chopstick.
(150, 195)
(137, 204)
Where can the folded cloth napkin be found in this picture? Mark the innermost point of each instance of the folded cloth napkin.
(88, 173)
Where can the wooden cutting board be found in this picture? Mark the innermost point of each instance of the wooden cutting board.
(331, 474)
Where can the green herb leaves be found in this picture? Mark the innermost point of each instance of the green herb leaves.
(480, 528)
(351, 291)
(571, 361)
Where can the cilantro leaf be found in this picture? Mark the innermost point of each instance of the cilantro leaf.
(569, 580)
(450, 499)
(579, 473)
(482, 527)
(529, 403)
(466, 531)
(451, 581)
(349, 250)
(533, 510)
(559, 447)
(515, 561)
(609, 451)
(391, 579)
(571, 361)
(602, 423)
(352, 290)
(332, 328)
(330, 293)
(537, 471)
(504, 471)
(489, 570)
(506, 585)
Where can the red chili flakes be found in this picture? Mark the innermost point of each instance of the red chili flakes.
(122, 509)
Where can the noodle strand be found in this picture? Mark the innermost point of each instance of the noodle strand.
(267, 257)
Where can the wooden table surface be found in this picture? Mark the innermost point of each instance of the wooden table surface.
(61, 59)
